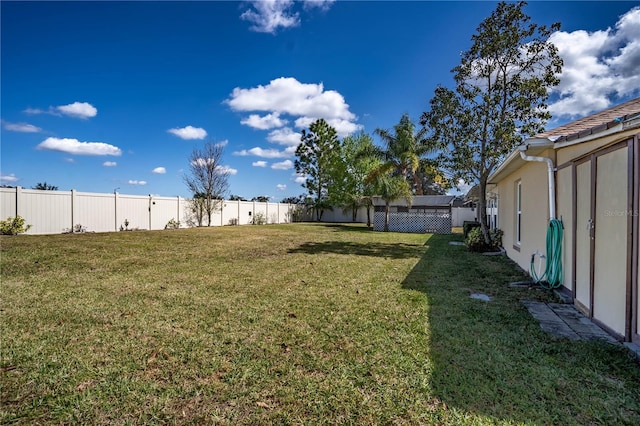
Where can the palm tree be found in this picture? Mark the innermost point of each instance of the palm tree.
(404, 148)
(391, 188)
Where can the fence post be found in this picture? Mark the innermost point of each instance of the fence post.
(115, 210)
(73, 208)
(178, 212)
(18, 200)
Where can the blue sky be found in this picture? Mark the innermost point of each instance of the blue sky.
(116, 95)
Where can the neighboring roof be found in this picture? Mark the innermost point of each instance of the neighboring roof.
(577, 131)
(420, 200)
(595, 123)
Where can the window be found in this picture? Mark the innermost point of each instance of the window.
(518, 211)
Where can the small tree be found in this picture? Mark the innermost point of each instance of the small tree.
(391, 188)
(207, 180)
(359, 163)
(44, 186)
(502, 86)
(319, 161)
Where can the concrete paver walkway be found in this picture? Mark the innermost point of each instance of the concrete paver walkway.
(566, 321)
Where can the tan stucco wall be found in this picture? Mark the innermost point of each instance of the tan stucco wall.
(535, 211)
(564, 211)
(610, 271)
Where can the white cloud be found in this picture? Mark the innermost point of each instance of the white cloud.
(226, 170)
(266, 122)
(298, 178)
(288, 95)
(259, 164)
(109, 164)
(283, 165)
(223, 143)
(189, 132)
(78, 110)
(159, 170)
(74, 146)
(286, 99)
(268, 16)
(285, 136)
(598, 67)
(8, 179)
(21, 127)
(281, 187)
(462, 188)
(137, 182)
(82, 110)
(322, 5)
(35, 111)
(267, 153)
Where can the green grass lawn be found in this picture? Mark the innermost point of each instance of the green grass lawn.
(287, 324)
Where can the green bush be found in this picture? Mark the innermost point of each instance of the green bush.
(496, 237)
(172, 224)
(467, 226)
(13, 226)
(259, 219)
(475, 240)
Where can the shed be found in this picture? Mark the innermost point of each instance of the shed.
(425, 214)
(592, 183)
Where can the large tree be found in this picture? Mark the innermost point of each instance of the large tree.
(318, 160)
(502, 86)
(208, 179)
(404, 151)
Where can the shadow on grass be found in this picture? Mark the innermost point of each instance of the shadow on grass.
(490, 359)
(384, 250)
(348, 227)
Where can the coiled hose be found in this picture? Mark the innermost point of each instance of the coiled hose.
(553, 267)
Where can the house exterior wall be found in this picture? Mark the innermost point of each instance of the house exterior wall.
(535, 211)
(564, 206)
(611, 236)
(597, 199)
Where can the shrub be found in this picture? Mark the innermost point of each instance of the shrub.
(172, 224)
(496, 237)
(467, 226)
(77, 229)
(259, 219)
(475, 240)
(13, 226)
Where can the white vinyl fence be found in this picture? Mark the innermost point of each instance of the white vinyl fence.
(54, 212)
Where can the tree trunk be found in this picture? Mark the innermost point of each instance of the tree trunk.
(417, 180)
(368, 216)
(386, 217)
(482, 208)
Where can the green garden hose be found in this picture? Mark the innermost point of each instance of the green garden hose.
(553, 267)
